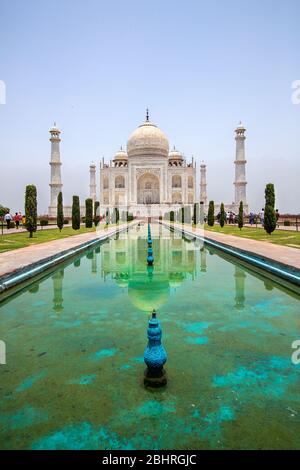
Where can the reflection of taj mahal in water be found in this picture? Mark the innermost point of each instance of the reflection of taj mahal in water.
(122, 260)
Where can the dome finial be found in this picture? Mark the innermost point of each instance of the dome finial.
(147, 115)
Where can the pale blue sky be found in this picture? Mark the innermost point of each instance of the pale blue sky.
(200, 67)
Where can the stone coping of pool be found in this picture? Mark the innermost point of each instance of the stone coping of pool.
(18, 266)
(280, 261)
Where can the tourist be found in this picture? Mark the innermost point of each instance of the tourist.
(277, 218)
(17, 220)
(262, 217)
(8, 219)
(23, 220)
(251, 218)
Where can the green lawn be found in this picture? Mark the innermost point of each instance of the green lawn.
(279, 237)
(19, 240)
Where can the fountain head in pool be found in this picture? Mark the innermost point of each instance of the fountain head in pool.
(155, 355)
(150, 258)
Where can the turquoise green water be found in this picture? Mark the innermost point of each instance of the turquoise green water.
(75, 342)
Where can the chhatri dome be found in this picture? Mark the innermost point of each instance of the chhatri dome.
(148, 140)
(121, 155)
(175, 154)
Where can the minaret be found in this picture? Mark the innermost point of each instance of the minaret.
(203, 194)
(240, 166)
(93, 181)
(55, 163)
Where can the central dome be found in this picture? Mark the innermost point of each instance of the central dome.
(148, 140)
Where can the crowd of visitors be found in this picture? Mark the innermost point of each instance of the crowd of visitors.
(18, 219)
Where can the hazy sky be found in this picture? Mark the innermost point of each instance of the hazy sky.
(200, 67)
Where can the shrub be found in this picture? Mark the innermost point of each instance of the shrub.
(287, 223)
(75, 213)
(12, 224)
(44, 222)
(31, 209)
(211, 214)
(66, 221)
(129, 217)
(60, 213)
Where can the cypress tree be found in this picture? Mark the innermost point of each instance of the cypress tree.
(60, 212)
(241, 216)
(211, 214)
(222, 215)
(117, 215)
(96, 213)
(196, 213)
(107, 217)
(172, 216)
(89, 213)
(270, 214)
(182, 215)
(201, 213)
(31, 209)
(75, 213)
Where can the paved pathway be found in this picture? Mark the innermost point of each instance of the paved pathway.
(22, 257)
(283, 254)
(23, 229)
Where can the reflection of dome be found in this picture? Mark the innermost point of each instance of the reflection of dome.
(147, 294)
(121, 155)
(148, 139)
(175, 154)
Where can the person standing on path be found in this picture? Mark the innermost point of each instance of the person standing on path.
(262, 217)
(7, 219)
(17, 220)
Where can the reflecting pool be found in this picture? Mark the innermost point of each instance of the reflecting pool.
(75, 342)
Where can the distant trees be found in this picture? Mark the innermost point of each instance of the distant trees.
(31, 209)
(270, 214)
(60, 212)
(3, 210)
(96, 213)
(222, 215)
(89, 213)
(75, 213)
(211, 214)
(241, 216)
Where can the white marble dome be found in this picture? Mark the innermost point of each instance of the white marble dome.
(148, 140)
(175, 154)
(121, 155)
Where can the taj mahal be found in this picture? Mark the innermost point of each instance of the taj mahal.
(148, 177)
